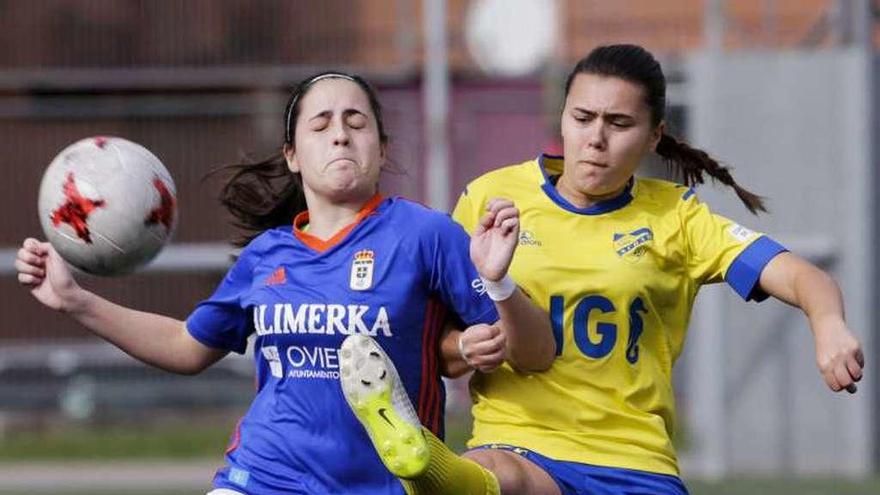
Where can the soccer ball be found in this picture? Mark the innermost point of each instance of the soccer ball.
(107, 205)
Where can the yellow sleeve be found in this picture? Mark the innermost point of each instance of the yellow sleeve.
(466, 213)
(719, 249)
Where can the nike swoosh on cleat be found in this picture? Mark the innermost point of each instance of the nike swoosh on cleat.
(382, 413)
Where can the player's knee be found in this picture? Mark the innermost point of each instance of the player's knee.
(484, 458)
(512, 478)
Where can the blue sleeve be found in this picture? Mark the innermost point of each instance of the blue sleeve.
(222, 321)
(745, 271)
(446, 254)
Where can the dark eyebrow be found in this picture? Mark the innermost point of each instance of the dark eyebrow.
(352, 111)
(325, 114)
(346, 113)
(607, 116)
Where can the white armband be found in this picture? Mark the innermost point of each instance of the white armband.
(499, 290)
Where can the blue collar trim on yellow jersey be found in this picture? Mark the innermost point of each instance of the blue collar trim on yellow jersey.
(599, 208)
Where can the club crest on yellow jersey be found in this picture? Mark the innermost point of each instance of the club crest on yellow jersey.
(631, 246)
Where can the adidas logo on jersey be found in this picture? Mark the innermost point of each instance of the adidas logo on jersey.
(278, 277)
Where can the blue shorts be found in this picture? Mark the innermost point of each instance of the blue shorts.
(575, 478)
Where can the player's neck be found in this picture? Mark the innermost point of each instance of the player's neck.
(326, 217)
(583, 200)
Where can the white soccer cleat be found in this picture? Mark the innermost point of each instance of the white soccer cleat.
(375, 394)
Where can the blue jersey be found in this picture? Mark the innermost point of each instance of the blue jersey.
(390, 275)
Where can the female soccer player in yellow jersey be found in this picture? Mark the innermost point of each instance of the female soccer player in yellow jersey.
(617, 261)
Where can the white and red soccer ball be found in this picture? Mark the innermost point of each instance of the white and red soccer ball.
(107, 205)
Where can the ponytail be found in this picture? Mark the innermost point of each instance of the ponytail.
(261, 196)
(635, 64)
(688, 164)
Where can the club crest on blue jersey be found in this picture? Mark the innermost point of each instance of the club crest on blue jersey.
(632, 245)
(362, 270)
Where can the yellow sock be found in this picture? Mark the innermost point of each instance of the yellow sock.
(450, 474)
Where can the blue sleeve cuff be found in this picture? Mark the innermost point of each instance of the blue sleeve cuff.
(488, 317)
(745, 271)
(210, 340)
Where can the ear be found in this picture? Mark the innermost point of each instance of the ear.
(657, 134)
(290, 158)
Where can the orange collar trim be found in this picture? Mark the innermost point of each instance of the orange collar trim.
(322, 245)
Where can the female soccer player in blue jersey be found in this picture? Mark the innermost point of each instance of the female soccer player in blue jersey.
(617, 261)
(351, 262)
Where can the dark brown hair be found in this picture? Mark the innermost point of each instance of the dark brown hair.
(265, 194)
(634, 64)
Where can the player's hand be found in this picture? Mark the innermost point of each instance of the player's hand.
(483, 346)
(495, 239)
(838, 354)
(41, 269)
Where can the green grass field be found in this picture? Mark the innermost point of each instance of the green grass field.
(729, 487)
(199, 440)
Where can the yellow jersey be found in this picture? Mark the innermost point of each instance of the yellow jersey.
(618, 280)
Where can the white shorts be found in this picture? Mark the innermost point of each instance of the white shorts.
(224, 491)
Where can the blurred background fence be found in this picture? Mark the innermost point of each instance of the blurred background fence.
(783, 90)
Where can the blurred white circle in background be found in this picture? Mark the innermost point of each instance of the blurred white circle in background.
(511, 37)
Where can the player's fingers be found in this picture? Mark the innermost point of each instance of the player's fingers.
(831, 381)
(481, 333)
(28, 279)
(493, 330)
(860, 357)
(855, 370)
(843, 377)
(478, 333)
(36, 246)
(489, 366)
(31, 246)
(509, 225)
(491, 346)
(479, 348)
(479, 352)
(505, 213)
(487, 220)
(498, 335)
(24, 267)
(30, 257)
(498, 204)
(501, 220)
(488, 362)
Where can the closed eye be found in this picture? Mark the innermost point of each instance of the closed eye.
(583, 117)
(319, 123)
(356, 120)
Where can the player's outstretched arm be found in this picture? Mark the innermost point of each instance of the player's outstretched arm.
(799, 283)
(154, 339)
(530, 342)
